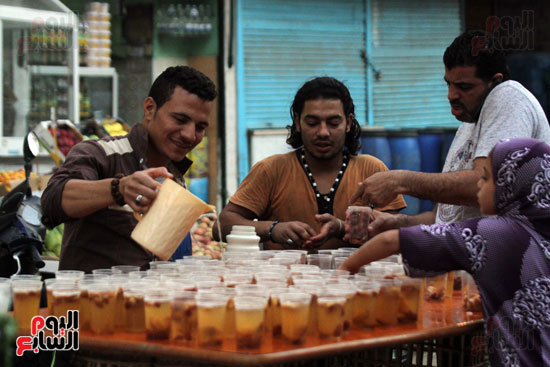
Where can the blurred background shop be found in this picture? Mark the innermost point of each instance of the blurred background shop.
(259, 52)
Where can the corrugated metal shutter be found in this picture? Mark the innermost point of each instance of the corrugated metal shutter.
(408, 42)
(283, 43)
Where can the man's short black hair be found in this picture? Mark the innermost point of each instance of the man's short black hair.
(185, 77)
(324, 88)
(475, 48)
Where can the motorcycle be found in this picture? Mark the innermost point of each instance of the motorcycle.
(21, 231)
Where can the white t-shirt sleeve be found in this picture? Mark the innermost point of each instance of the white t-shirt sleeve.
(508, 112)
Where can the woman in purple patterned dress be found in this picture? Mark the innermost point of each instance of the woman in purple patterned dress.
(508, 254)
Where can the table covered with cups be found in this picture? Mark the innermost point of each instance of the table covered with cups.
(268, 308)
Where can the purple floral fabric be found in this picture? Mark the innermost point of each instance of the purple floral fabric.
(508, 255)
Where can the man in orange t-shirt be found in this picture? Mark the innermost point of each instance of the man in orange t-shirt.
(300, 198)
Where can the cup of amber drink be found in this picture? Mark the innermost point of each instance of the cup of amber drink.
(347, 290)
(211, 318)
(101, 298)
(249, 321)
(85, 311)
(134, 308)
(229, 326)
(48, 283)
(409, 300)
(119, 280)
(311, 287)
(274, 311)
(330, 316)
(435, 288)
(387, 303)
(158, 314)
(358, 218)
(26, 301)
(364, 305)
(294, 316)
(184, 316)
(66, 297)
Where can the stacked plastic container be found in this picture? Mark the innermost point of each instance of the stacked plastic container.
(99, 34)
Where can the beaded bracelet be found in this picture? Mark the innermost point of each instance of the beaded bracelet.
(115, 190)
(270, 234)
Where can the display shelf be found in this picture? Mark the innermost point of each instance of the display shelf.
(64, 70)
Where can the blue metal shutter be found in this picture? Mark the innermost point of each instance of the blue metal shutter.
(408, 42)
(283, 43)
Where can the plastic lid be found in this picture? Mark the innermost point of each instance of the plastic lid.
(248, 229)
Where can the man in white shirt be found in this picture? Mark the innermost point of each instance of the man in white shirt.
(491, 107)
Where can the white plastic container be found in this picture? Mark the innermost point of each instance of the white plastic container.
(243, 239)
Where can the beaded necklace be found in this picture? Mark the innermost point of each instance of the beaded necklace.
(324, 201)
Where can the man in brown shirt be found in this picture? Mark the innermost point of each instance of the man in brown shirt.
(102, 182)
(300, 198)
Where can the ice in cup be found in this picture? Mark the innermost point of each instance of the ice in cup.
(409, 300)
(158, 314)
(211, 318)
(358, 218)
(387, 303)
(66, 296)
(294, 316)
(134, 308)
(330, 316)
(102, 296)
(249, 321)
(26, 301)
(435, 288)
(184, 317)
(364, 306)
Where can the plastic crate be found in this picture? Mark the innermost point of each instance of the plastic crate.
(465, 350)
